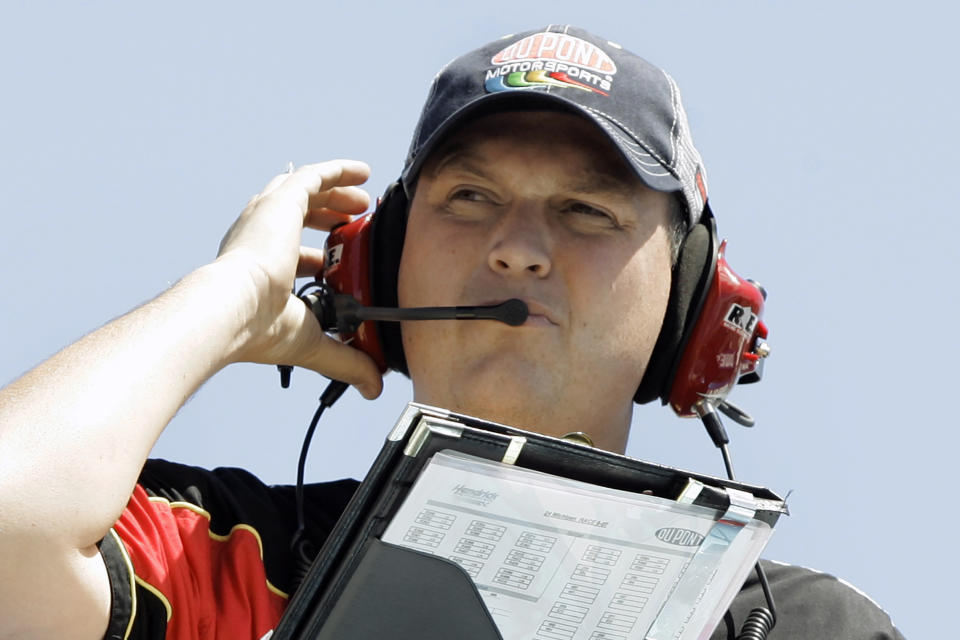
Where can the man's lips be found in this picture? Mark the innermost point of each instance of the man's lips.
(539, 313)
(537, 320)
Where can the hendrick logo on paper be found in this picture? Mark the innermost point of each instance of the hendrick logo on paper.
(679, 537)
(480, 497)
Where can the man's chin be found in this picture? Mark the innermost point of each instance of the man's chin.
(525, 402)
(535, 403)
(514, 412)
(505, 386)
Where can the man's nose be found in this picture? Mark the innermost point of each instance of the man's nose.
(521, 244)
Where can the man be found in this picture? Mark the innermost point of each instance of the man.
(551, 166)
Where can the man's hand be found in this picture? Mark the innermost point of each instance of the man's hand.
(263, 246)
(75, 431)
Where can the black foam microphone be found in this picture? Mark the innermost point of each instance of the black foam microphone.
(344, 313)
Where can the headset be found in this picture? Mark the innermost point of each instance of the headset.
(712, 335)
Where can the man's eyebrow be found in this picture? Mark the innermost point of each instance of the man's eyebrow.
(595, 182)
(459, 157)
(618, 181)
(591, 181)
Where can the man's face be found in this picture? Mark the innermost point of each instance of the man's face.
(537, 206)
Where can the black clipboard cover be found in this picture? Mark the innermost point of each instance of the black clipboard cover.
(360, 587)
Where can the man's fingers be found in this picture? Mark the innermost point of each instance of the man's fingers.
(275, 216)
(342, 173)
(322, 176)
(325, 219)
(311, 262)
(343, 362)
(348, 199)
(267, 237)
(323, 354)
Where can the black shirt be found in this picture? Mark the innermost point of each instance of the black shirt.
(206, 555)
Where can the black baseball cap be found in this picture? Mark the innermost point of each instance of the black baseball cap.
(636, 104)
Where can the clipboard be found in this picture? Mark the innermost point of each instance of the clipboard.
(361, 587)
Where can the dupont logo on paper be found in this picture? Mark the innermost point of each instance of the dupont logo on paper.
(480, 497)
(679, 537)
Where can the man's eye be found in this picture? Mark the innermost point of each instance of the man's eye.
(584, 211)
(464, 203)
(579, 207)
(469, 195)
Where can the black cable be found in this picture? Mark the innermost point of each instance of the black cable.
(758, 624)
(762, 576)
(727, 461)
(760, 620)
(307, 286)
(286, 370)
(302, 547)
(728, 623)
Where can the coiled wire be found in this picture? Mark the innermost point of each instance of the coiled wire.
(757, 624)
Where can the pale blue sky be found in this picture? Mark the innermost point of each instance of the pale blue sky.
(131, 135)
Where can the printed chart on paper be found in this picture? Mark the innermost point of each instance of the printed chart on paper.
(556, 559)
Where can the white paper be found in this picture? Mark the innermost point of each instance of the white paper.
(557, 559)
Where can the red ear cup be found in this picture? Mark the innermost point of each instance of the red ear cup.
(346, 269)
(726, 343)
(712, 336)
(362, 258)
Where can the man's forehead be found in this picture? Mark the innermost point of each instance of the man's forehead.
(599, 166)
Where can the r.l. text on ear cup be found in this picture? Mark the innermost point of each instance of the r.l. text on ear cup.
(692, 275)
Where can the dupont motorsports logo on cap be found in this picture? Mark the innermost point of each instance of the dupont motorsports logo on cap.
(545, 60)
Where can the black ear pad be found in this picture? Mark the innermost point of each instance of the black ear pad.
(692, 275)
(388, 228)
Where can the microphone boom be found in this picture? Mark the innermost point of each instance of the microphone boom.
(344, 313)
(513, 312)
